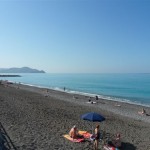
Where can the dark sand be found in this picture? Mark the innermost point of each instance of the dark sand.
(36, 119)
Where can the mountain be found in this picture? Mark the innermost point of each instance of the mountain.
(20, 70)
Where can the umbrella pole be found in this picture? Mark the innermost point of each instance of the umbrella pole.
(92, 128)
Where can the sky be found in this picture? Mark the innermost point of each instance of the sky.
(76, 36)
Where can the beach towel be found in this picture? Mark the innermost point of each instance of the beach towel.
(85, 134)
(106, 147)
(78, 140)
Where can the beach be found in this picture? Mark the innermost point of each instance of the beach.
(37, 118)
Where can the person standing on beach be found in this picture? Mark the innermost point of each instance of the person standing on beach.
(97, 136)
(96, 97)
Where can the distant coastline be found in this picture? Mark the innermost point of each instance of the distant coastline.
(9, 75)
(20, 70)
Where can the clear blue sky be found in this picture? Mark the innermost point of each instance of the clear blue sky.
(76, 36)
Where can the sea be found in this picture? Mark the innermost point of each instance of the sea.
(130, 88)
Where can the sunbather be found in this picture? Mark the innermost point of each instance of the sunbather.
(142, 112)
(117, 141)
(74, 133)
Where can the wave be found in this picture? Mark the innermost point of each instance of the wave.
(110, 98)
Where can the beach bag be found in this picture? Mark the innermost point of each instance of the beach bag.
(92, 137)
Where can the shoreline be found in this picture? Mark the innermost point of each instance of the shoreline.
(103, 97)
(37, 118)
(116, 107)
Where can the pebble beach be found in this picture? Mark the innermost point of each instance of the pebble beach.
(37, 118)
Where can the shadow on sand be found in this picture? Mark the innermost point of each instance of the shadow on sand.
(5, 141)
(128, 146)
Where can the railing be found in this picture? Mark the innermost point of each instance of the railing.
(5, 141)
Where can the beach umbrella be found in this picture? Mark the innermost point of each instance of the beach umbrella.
(93, 117)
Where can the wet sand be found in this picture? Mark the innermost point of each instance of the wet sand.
(37, 119)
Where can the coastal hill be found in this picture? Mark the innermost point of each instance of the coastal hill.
(20, 70)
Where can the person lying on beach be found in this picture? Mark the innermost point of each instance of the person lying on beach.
(91, 102)
(74, 133)
(117, 141)
(142, 112)
(117, 105)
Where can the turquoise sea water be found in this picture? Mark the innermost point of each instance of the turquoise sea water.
(131, 88)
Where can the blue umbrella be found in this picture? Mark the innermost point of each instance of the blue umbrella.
(94, 117)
